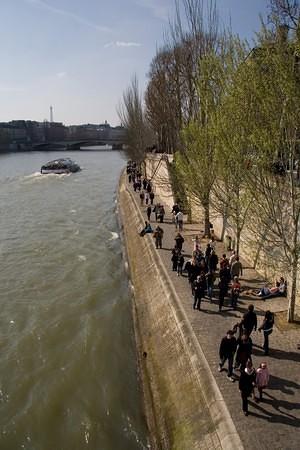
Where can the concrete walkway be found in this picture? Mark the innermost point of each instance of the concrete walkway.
(274, 422)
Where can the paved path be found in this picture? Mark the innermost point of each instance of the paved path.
(273, 423)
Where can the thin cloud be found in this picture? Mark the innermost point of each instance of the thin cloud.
(122, 44)
(6, 88)
(156, 7)
(61, 74)
(68, 14)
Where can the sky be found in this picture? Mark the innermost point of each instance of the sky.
(80, 55)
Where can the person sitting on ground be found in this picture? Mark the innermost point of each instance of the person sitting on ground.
(278, 290)
(147, 229)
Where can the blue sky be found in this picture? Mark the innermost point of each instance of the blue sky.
(79, 55)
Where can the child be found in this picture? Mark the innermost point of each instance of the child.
(262, 378)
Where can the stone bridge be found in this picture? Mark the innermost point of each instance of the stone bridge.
(77, 145)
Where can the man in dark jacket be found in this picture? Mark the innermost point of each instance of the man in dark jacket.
(249, 321)
(227, 351)
(179, 240)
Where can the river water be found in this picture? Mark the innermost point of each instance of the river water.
(67, 357)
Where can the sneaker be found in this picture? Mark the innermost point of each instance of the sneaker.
(230, 378)
(246, 413)
(220, 368)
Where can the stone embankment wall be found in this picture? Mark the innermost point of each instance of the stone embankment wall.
(184, 407)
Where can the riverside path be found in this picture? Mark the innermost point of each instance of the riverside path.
(274, 422)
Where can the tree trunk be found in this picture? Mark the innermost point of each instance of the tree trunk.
(292, 297)
(206, 220)
(238, 240)
(224, 224)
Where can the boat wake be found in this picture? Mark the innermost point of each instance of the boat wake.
(37, 176)
(114, 236)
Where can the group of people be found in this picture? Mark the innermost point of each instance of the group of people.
(238, 353)
(202, 271)
(202, 274)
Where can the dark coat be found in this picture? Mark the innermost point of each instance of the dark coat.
(227, 347)
(244, 350)
(249, 321)
(246, 382)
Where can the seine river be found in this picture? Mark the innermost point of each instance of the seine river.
(67, 356)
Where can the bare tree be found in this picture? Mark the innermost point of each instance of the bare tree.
(131, 113)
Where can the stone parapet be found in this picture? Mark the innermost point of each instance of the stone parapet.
(184, 406)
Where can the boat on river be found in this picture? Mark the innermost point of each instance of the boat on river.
(59, 166)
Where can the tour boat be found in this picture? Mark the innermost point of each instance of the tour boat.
(60, 165)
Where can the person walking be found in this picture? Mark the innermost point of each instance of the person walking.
(146, 198)
(244, 352)
(223, 289)
(151, 195)
(180, 264)
(161, 213)
(142, 197)
(213, 261)
(262, 379)
(179, 240)
(226, 352)
(199, 290)
(155, 210)
(210, 279)
(224, 262)
(249, 321)
(235, 292)
(179, 220)
(174, 259)
(247, 384)
(208, 251)
(267, 328)
(236, 269)
(148, 211)
(158, 236)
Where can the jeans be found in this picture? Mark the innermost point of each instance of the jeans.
(234, 299)
(210, 290)
(244, 402)
(230, 364)
(266, 341)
